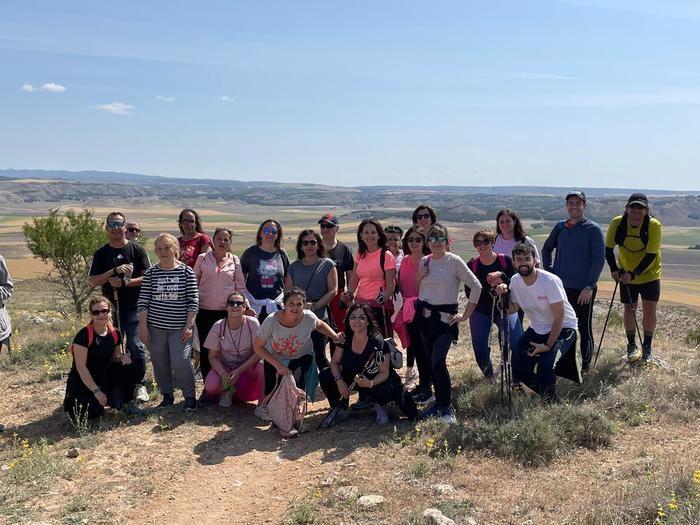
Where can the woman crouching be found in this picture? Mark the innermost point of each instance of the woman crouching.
(364, 358)
(100, 375)
(236, 370)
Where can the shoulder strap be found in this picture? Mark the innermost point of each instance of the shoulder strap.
(115, 337)
(502, 261)
(382, 258)
(475, 264)
(91, 334)
(621, 232)
(644, 231)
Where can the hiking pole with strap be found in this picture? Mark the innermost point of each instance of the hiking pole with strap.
(506, 366)
(605, 325)
(116, 298)
(330, 418)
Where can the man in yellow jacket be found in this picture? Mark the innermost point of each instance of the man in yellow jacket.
(637, 268)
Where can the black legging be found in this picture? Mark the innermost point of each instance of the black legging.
(299, 368)
(437, 339)
(416, 346)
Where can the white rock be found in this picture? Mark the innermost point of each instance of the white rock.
(371, 500)
(436, 517)
(347, 493)
(442, 489)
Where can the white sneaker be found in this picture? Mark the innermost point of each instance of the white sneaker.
(141, 394)
(382, 416)
(226, 399)
(261, 412)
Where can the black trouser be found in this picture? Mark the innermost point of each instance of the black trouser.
(205, 320)
(298, 366)
(437, 339)
(584, 313)
(119, 389)
(416, 346)
(381, 394)
(319, 341)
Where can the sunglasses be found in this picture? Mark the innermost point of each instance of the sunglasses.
(415, 239)
(637, 207)
(433, 238)
(236, 304)
(188, 221)
(357, 318)
(482, 242)
(116, 224)
(422, 216)
(308, 243)
(100, 312)
(133, 230)
(269, 231)
(327, 226)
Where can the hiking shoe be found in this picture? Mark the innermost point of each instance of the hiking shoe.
(585, 367)
(646, 353)
(423, 397)
(633, 353)
(190, 404)
(261, 412)
(226, 399)
(448, 415)
(433, 411)
(409, 383)
(131, 410)
(168, 400)
(361, 405)
(382, 416)
(141, 394)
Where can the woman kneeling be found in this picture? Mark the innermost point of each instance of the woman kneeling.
(236, 370)
(364, 359)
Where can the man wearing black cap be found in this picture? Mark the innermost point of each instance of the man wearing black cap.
(638, 269)
(341, 255)
(579, 258)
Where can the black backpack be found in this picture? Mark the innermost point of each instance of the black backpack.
(621, 233)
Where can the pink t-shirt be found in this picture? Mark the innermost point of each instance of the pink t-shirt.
(408, 275)
(370, 275)
(235, 346)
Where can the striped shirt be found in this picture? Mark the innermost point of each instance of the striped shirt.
(168, 295)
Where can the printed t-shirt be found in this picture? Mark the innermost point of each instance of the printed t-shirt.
(264, 271)
(288, 343)
(190, 250)
(370, 274)
(235, 346)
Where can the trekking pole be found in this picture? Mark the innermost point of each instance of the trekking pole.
(605, 325)
(115, 294)
(507, 371)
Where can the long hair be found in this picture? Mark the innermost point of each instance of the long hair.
(381, 236)
(278, 240)
(519, 232)
(372, 325)
(320, 250)
(433, 215)
(169, 240)
(102, 299)
(197, 221)
(411, 231)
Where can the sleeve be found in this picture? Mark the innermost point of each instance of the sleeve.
(513, 287)
(145, 292)
(549, 245)
(246, 260)
(510, 267)
(612, 230)
(191, 290)
(213, 341)
(389, 261)
(468, 278)
(204, 240)
(597, 249)
(531, 242)
(654, 245)
(291, 271)
(5, 281)
(348, 259)
(142, 262)
(96, 266)
(285, 260)
(238, 278)
(81, 338)
(265, 329)
(555, 293)
(198, 266)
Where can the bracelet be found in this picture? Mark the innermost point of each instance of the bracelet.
(547, 345)
(337, 378)
(371, 383)
(96, 390)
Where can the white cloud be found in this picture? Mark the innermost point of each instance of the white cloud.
(52, 88)
(224, 98)
(164, 99)
(27, 88)
(116, 108)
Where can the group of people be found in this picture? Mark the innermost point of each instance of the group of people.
(259, 317)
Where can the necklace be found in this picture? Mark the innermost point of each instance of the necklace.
(236, 345)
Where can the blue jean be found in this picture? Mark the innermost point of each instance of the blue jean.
(129, 325)
(480, 326)
(537, 372)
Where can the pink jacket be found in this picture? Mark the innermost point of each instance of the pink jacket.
(216, 282)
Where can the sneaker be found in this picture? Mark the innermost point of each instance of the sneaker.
(226, 399)
(448, 416)
(361, 405)
(261, 412)
(646, 353)
(141, 394)
(633, 353)
(131, 410)
(409, 383)
(433, 411)
(585, 367)
(190, 404)
(423, 397)
(168, 400)
(382, 416)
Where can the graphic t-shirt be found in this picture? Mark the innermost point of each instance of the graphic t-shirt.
(288, 343)
(370, 274)
(536, 298)
(190, 250)
(235, 346)
(341, 255)
(168, 294)
(264, 271)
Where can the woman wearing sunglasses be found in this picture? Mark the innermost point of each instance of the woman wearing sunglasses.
(423, 217)
(193, 240)
(100, 375)
(486, 313)
(318, 277)
(236, 370)
(374, 274)
(264, 266)
(218, 274)
(364, 359)
(439, 281)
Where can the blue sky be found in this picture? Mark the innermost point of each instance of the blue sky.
(592, 93)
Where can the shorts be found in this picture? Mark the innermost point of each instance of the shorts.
(649, 292)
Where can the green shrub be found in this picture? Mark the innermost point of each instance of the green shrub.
(693, 337)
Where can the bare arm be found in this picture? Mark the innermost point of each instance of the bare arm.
(332, 284)
(261, 351)
(390, 282)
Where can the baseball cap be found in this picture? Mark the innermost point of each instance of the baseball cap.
(638, 198)
(576, 193)
(330, 218)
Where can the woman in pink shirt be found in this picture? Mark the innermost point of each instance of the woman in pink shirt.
(218, 275)
(372, 282)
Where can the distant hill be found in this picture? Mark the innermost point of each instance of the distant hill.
(457, 203)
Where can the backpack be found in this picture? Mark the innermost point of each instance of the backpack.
(91, 335)
(501, 261)
(287, 405)
(621, 232)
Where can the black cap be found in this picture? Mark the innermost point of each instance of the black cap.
(576, 193)
(330, 218)
(638, 198)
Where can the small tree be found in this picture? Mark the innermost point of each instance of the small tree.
(67, 243)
